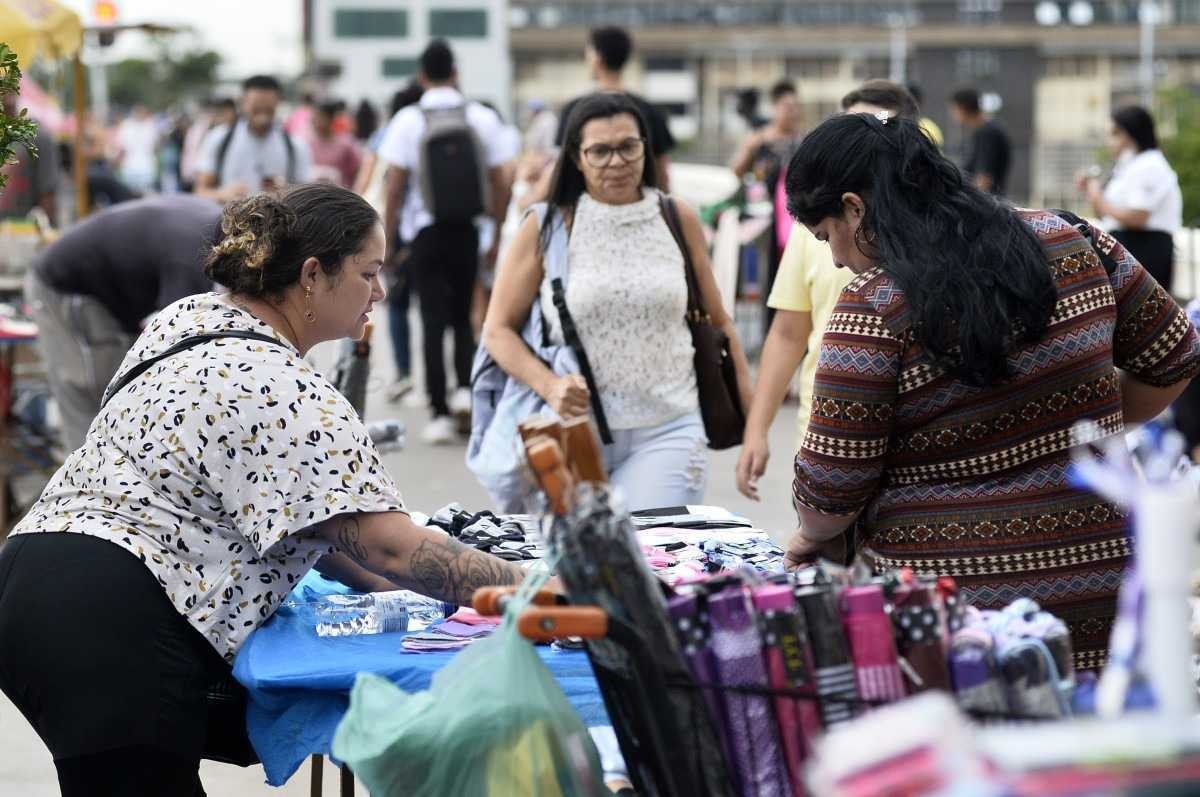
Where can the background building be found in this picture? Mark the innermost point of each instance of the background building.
(367, 49)
(1055, 81)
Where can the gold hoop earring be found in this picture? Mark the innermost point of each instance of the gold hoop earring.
(309, 315)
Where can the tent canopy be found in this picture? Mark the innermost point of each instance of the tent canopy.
(40, 27)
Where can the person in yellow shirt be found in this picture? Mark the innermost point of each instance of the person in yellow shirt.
(805, 292)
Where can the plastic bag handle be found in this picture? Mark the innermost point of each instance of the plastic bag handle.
(544, 624)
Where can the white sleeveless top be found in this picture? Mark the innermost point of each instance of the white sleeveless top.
(627, 293)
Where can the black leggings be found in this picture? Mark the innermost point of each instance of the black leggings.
(129, 772)
(101, 664)
(444, 261)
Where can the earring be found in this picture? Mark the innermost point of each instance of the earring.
(309, 315)
(858, 242)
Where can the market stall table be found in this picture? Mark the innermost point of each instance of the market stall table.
(299, 684)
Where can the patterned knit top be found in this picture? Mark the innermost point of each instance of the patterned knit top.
(627, 293)
(972, 482)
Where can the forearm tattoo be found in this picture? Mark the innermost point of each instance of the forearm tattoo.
(453, 571)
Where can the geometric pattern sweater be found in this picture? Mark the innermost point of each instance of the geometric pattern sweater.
(972, 482)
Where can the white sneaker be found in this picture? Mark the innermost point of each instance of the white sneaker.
(399, 389)
(460, 402)
(441, 431)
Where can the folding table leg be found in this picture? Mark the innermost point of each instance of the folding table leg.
(316, 787)
(347, 782)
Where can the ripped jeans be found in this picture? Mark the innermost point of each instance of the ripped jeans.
(660, 466)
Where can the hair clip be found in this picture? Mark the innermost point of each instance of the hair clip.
(883, 116)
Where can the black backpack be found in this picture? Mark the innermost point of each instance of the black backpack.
(224, 148)
(452, 166)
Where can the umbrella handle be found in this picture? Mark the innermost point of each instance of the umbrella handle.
(548, 465)
(543, 624)
(490, 601)
(583, 450)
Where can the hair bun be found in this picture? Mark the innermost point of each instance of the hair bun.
(254, 228)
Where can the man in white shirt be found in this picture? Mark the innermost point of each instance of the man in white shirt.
(254, 154)
(443, 253)
(138, 158)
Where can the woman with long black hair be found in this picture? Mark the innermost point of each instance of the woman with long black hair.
(1141, 205)
(971, 339)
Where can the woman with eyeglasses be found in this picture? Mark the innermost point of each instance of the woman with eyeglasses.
(626, 292)
(971, 340)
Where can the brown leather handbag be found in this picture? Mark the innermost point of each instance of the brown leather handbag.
(716, 376)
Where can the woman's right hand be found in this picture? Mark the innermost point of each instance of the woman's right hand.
(752, 464)
(568, 396)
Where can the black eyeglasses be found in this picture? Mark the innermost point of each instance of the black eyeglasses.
(629, 150)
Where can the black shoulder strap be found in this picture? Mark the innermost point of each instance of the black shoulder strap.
(670, 213)
(1085, 229)
(224, 148)
(291, 156)
(571, 338)
(183, 345)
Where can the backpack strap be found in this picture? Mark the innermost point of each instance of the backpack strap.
(554, 264)
(223, 148)
(183, 345)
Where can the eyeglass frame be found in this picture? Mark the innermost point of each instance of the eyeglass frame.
(583, 151)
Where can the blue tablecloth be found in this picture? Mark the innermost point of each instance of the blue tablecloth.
(299, 685)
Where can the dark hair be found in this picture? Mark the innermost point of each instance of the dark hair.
(781, 89)
(613, 45)
(1138, 124)
(885, 94)
(330, 108)
(567, 183)
(366, 120)
(437, 61)
(224, 102)
(917, 94)
(747, 102)
(974, 274)
(967, 99)
(265, 238)
(409, 95)
(264, 82)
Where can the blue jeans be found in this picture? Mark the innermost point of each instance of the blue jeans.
(660, 466)
(398, 298)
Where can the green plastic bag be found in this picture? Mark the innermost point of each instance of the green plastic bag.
(493, 722)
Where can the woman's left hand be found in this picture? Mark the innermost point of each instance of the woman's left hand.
(801, 551)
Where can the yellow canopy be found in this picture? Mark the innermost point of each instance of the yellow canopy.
(33, 27)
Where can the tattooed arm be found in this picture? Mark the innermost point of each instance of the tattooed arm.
(414, 557)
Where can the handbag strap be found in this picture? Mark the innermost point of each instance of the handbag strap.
(695, 305)
(1085, 229)
(183, 345)
(554, 264)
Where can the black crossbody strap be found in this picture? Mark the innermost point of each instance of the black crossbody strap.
(1085, 230)
(183, 345)
(571, 338)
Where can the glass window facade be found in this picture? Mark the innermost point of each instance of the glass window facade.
(466, 24)
(350, 23)
(399, 67)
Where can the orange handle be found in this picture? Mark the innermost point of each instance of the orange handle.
(489, 601)
(546, 460)
(546, 624)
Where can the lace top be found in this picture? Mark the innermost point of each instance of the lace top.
(627, 292)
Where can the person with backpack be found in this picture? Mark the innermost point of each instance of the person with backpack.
(605, 260)
(445, 159)
(253, 153)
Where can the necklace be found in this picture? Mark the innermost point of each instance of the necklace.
(295, 338)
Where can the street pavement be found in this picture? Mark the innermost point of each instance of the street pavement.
(428, 477)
